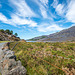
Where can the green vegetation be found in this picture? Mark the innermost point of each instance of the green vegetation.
(8, 31)
(33, 54)
(35, 39)
(4, 41)
(0, 73)
(16, 34)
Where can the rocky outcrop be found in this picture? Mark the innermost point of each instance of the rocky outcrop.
(8, 63)
(6, 37)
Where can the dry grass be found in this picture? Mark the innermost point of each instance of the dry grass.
(26, 52)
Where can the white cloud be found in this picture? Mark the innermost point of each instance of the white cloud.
(70, 15)
(45, 2)
(22, 21)
(21, 8)
(47, 28)
(43, 11)
(4, 19)
(59, 9)
(16, 20)
(55, 3)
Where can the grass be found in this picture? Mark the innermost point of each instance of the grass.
(27, 52)
(4, 41)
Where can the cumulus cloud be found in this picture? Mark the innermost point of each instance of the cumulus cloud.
(70, 15)
(47, 28)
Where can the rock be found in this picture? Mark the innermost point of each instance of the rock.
(19, 70)
(8, 63)
(6, 46)
(9, 54)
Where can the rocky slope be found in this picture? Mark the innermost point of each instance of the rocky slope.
(7, 37)
(64, 35)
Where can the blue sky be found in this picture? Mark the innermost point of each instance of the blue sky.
(31, 18)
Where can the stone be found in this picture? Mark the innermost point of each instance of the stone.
(19, 70)
(8, 63)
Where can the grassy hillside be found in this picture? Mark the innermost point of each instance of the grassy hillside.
(44, 58)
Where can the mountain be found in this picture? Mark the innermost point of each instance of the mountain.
(64, 35)
(6, 36)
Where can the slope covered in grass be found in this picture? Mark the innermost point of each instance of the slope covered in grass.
(56, 54)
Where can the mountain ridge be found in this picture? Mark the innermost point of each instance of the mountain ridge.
(64, 35)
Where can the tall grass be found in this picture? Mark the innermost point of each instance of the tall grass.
(27, 53)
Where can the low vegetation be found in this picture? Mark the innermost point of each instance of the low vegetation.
(4, 41)
(32, 56)
(0, 73)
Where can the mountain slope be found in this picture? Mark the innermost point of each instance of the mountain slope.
(64, 35)
(8, 37)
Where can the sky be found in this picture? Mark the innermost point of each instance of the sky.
(32, 18)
